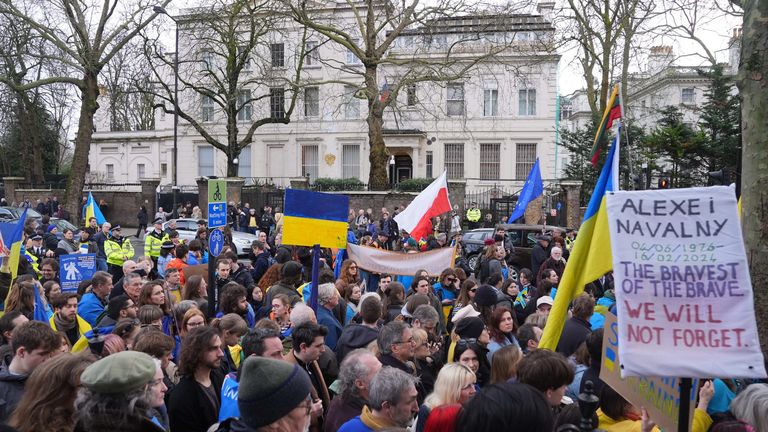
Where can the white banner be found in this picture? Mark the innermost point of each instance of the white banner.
(398, 263)
(683, 291)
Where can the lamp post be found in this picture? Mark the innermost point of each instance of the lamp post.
(161, 10)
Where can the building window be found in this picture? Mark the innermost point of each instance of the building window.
(410, 95)
(207, 58)
(244, 162)
(244, 106)
(527, 102)
(525, 158)
(163, 169)
(312, 102)
(277, 50)
(309, 161)
(455, 99)
(686, 96)
(566, 109)
(111, 172)
(141, 171)
(490, 155)
(454, 160)
(277, 103)
(207, 104)
(490, 102)
(351, 58)
(351, 103)
(243, 51)
(429, 164)
(313, 54)
(350, 161)
(205, 161)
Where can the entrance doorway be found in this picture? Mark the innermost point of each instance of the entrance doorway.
(401, 169)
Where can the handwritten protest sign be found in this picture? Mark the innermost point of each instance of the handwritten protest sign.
(683, 292)
(75, 268)
(660, 396)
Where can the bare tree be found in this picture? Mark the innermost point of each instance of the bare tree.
(606, 33)
(86, 35)
(230, 66)
(371, 34)
(130, 108)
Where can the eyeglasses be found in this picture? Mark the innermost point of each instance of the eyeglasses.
(450, 279)
(473, 290)
(410, 341)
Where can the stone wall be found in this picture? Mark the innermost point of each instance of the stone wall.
(121, 206)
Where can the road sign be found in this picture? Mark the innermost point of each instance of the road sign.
(217, 191)
(217, 203)
(216, 242)
(217, 215)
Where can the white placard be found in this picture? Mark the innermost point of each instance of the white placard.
(683, 291)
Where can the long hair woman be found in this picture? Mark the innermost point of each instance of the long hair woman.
(48, 403)
(153, 293)
(455, 384)
(501, 327)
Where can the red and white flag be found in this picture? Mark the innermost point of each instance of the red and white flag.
(431, 202)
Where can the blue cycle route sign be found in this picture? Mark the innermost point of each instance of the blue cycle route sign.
(216, 242)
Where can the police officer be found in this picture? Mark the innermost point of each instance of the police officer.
(473, 215)
(154, 240)
(118, 250)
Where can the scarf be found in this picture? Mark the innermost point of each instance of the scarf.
(373, 422)
(63, 325)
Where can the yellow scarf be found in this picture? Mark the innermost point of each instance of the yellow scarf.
(373, 422)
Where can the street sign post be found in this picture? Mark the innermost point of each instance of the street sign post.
(217, 203)
(217, 218)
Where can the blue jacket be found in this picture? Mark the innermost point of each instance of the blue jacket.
(89, 308)
(229, 406)
(355, 425)
(326, 318)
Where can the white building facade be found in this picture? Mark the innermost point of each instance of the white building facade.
(486, 129)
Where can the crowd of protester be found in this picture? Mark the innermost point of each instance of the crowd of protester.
(135, 348)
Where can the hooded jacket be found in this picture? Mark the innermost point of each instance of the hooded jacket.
(11, 390)
(353, 337)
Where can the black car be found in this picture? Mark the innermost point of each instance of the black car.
(523, 239)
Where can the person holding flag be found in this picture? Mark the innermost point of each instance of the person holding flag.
(92, 210)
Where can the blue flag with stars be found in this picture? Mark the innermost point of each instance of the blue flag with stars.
(534, 187)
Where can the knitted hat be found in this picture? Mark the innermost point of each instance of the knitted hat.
(121, 372)
(486, 296)
(269, 390)
(51, 227)
(470, 328)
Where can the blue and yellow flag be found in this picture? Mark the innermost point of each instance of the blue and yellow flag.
(312, 218)
(591, 254)
(92, 210)
(11, 234)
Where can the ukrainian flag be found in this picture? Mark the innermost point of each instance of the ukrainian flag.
(11, 234)
(312, 218)
(92, 210)
(591, 254)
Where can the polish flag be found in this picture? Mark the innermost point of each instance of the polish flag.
(431, 202)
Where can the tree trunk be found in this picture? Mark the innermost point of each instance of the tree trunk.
(378, 157)
(83, 139)
(35, 149)
(753, 88)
